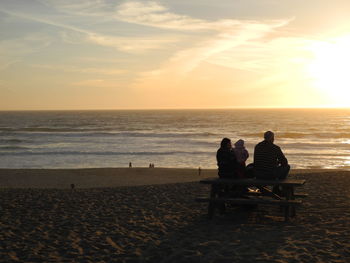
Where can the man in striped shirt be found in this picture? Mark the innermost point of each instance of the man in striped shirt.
(269, 160)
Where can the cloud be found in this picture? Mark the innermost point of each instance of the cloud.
(5, 64)
(213, 38)
(127, 44)
(153, 14)
(260, 56)
(220, 50)
(246, 45)
(97, 83)
(156, 15)
(77, 7)
(67, 68)
(40, 18)
(27, 44)
(13, 50)
(132, 44)
(149, 14)
(231, 43)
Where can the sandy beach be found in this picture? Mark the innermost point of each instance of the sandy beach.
(149, 215)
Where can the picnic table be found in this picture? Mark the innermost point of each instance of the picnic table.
(287, 199)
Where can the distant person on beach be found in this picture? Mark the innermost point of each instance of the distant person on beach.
(269, 160)
(242, 155)
(226, 160)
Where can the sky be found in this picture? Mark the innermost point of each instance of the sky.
(104, 54)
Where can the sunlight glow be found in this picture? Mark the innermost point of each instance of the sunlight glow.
(330, 69)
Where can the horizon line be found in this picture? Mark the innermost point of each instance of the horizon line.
(154, 109)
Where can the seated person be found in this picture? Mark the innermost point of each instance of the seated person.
(242, 155)
(269, 160)
(227, 168)
(226, 160)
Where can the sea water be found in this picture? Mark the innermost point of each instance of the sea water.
(310, 138)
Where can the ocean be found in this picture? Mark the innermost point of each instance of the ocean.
(310, 138)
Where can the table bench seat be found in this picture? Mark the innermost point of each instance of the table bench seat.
(286, 199)
(296, 195)
(252, 201)
(253, 182)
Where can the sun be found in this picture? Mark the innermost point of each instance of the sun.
(329, 69)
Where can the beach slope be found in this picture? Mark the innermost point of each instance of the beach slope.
(149, 215)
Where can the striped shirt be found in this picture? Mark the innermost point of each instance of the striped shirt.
(268, 156)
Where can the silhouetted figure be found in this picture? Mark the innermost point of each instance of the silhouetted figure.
(242, 155)
(199, 171)
(72, 186)
(269, 160)
(130, 165)
(226, 160)
(227, 166)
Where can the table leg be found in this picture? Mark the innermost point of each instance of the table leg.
(292, 197)
(288, 193)
(211, 206)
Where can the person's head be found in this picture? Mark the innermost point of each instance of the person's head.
(239, 143)
(226, 143)
(269, 136)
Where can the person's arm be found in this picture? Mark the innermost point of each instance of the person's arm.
(246, 154)
(281, 158)
(255, 153)
(218, 157)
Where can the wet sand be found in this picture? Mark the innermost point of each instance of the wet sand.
(149, 215)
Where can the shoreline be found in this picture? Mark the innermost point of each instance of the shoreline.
(114, 177)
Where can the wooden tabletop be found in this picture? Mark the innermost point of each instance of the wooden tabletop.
(253, 182)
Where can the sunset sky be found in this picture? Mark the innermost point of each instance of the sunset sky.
(103, 54)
